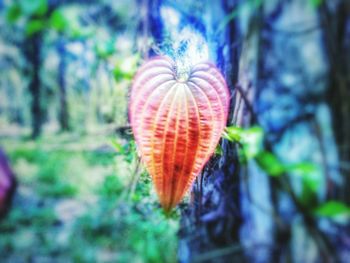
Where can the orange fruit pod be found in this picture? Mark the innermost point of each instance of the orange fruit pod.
(177, 119)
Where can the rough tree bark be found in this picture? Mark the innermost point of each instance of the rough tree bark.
(213, 219)
(335, 22)
(210, 224)
(284, 79)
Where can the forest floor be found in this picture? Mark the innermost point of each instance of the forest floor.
(83, 198)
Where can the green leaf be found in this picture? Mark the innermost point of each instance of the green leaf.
(13, 13)
(309, 172)
(311, 180)
(58, 21)
(270, 163)
(68, 24)
(252, 140)
(308, 197)
(78, 32)
(34, 7)
(302, 168)
(111, 187)
(34, 26)
(118, 74)
(333, 209)
(233, 133)
(316, 3)
(125, 69)
(218, 150)
(116, 145)
(105, 49)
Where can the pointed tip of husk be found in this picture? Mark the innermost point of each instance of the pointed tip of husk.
(167, 209)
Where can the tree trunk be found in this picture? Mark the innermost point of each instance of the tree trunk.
(274, 60)
(336, 37)
(32, 50)
(210, 224)
(63, 105)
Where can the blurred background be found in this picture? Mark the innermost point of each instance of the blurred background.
(66, 68)
(71, 185)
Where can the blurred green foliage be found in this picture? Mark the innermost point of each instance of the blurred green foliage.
(75, 203)
(105, 49)
(316, 3)
(126, 68)
(33, 11)
(333, 209)
(93, 59)
(37, 8)
(34, 7)
(251, 142)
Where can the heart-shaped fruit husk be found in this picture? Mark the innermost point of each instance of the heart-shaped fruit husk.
(177, 119)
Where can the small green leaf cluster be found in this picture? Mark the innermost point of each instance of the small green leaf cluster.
(66, 23)
(35, 17)
(33, 12)
(33, 8)
(126, 68)
(126, 150)
(105, 49)
(333, 209)
(251, 142)
(316, 3)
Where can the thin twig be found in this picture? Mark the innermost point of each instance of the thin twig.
(247, 103)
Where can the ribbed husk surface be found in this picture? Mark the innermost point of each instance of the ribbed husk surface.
(177, 122)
